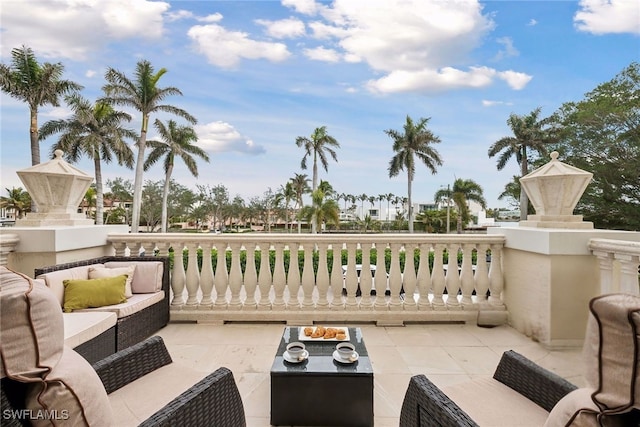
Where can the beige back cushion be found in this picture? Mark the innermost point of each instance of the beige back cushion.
(146, 279)
(31, 327)
(73, 391)
(611, 351)
(102, 272)
(55, 278)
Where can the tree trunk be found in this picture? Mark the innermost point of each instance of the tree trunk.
(137, 183)
(314, 228)
(35, 145)
(410, 214)
(99, 192)
(165, 197)
(524, 200)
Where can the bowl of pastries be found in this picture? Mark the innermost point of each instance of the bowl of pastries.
(321, 333)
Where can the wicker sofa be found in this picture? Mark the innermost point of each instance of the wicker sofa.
(45, 382)
(521, 393)
(128, 328)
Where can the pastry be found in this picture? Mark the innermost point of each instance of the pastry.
(308, 331)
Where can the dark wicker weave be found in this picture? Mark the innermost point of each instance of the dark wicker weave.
(138, 326)
(426, 405)
(99, 347)
(214, 401)
(531, 380)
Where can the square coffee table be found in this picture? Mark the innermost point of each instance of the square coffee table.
(321, 391)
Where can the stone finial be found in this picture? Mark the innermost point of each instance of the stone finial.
(554, 191)
(57, 188)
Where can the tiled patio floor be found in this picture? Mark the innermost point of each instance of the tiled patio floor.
(446, 353)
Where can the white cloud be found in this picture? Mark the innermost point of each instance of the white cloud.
(80, 26)
(215, 17)
(322, 54)
(179, 15)
(225, 49)
(514, 79)
(90, 73)
(305, 7)
(488, 103)
(429, 80)
(284, 28)
(221, 136)
(608, 16)
(532, 23)
(509, 49)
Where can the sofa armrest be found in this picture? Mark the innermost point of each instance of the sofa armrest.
(128, 365)
(532, 380)
(426, 405)
(214, 401)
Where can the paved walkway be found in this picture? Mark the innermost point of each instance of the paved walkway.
(446, 353)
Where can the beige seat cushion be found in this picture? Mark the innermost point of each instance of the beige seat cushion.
(134, 304)
(101, 272)
(82, 327)
(31, 327)
(54, 280)
(73, 391)
(492, 404)
(147, 277)
(612, 365)
(131, 404)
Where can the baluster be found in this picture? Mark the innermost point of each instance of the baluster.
(221, 279)
(206, 277)
(8, 243)
(424, 278)
(395, 278)
(337, 281)
(366, 279)
(293, 278)
(409, 278)
(308, 278)
(437, 278)
(481, 275)
(496, 280)
(605, 261)
(120, 248)
(628, 273)
(279, 277)
(264, 277)
(466, 275)
(250, 277)
(452, 280)
(135, 249)
(380, 280)
(322, 276)
(163, 248)
(193, 275)
(350, 279)
(178, 276)
(235, 276)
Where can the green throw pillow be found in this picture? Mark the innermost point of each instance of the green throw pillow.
(88, 293)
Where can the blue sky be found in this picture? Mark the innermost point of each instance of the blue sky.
(258, 74)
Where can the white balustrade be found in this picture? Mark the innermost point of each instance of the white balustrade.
(619, 261)
(416, 277)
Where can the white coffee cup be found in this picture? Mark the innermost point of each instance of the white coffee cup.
(295, 349)
(345, 350)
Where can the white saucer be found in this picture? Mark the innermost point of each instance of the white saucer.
(290, 359)
(337, 358)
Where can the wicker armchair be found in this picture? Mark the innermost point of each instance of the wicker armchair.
(213, 401)
(426, 405)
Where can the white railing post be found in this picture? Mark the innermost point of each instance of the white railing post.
(193, 275)
(322, 276)
(437, 278)
(366, 279)
(496, 280)
(308, 277)
(8, 243)
(337, 283)
(629, 273)
(250, 277)
(235, 276)
(380, 281)
(264, 278)
(452, 280)
(206, 277)
(424, 278)
(293, 278)
(409, 278)
(481, 276)
(221, 277)
(178, 276)
(466, 275)
(279, 277)
(395, 278)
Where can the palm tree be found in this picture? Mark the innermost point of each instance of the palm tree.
(145, 96)
(529, 133)
(287, 193)
(177, 141)
(414, 141)
(300, 184)
(17, 200)
(463, 191)
(321, 210)
(37, 85)
(318, 145)
(362, 199)
(94, 130)
(389, 197)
